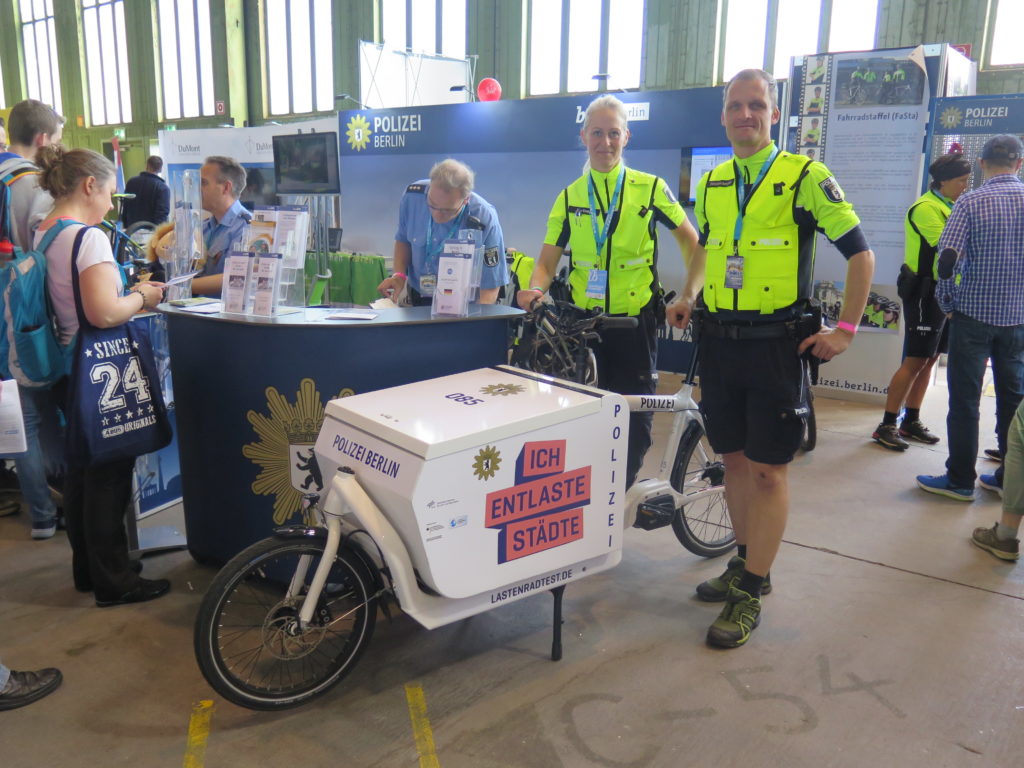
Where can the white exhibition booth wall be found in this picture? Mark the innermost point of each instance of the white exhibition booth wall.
(252, 147)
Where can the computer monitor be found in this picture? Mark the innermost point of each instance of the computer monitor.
(694, 163)
(306, 164)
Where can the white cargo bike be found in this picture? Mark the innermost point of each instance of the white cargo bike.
(451, 497)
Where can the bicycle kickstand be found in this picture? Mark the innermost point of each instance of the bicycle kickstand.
(556, 627)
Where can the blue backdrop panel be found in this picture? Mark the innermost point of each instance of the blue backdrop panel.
(512, 184)
(523, 152)
(970, 121)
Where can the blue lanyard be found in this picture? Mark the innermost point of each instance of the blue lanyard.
(601, 237)
(741, 192)
(943, 200)
(433, 251)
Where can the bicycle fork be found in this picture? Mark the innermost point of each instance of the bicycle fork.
(333, 509)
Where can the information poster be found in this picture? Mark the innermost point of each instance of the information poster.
(865, 115)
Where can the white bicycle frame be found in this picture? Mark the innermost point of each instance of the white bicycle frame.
(346, 497)
(685, 409)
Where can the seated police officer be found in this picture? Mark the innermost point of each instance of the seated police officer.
(222, 181)
(442, 207)
(757, 214)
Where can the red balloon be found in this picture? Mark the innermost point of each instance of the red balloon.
(488, 89)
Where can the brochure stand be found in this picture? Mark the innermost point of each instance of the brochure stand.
(188, 236)
(453, 291)
(320, 220)
(283, 229)
(459, 270)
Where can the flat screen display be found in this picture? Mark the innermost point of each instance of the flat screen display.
(306, 164)
(695, 162)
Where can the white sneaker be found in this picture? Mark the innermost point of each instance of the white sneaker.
(44, 533)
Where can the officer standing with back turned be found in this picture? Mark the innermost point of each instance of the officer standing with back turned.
(757, 214)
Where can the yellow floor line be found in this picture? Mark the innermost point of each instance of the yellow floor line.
(198, 733)
(421, 726)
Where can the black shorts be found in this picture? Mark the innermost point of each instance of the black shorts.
(752, 394)
(926, 332)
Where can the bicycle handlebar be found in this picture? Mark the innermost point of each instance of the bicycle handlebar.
(610, 323)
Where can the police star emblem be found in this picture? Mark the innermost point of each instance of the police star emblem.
(502, 389)
(284, 453)
(358, 133)
(951, 117)
(487, 462)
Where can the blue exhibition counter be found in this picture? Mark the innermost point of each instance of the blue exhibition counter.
(250, 395)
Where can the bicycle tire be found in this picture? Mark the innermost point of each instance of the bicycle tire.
(140, 232)
(139, 226)
(702, 526)
(245, 629)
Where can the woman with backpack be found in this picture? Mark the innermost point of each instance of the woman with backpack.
(85, 284)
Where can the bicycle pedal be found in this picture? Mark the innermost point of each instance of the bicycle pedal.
(656, 512)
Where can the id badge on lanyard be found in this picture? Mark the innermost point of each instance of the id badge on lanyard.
(734, 272)
(734, 264)
(597, 283)
(428, 280)
(597, 279)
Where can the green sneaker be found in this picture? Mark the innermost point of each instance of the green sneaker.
(1004, 549)
(739, 617)
(716, 589)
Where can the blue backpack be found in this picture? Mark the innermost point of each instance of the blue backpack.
(29, 348)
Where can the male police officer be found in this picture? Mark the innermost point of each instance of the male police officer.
(757, 214)
(221, 182)
(436, 209)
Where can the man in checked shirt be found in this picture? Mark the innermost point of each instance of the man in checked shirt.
(984, 297)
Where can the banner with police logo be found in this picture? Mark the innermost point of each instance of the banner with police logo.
(965, 123)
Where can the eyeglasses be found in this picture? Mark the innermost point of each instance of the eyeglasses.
(449, 211)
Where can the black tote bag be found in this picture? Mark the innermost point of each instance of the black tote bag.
(115, 409)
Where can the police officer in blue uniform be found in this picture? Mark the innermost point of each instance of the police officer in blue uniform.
(442, 207)
(222, 181)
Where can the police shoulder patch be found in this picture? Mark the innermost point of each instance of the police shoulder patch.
(831, 189)
(491, 256)
(668, 194)
(416, 188)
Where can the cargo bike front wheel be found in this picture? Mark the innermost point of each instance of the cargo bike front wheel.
(249, 642)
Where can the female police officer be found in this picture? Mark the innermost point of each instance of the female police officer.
(607, 219)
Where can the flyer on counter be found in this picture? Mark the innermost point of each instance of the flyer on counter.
(266, 271)
(238, 268)
(261, 232)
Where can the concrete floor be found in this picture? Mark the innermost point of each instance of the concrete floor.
(889, 640)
